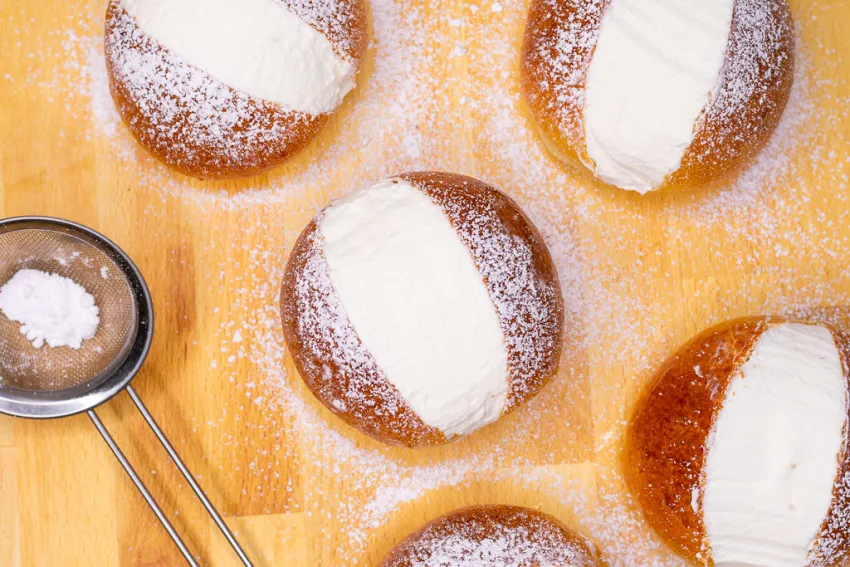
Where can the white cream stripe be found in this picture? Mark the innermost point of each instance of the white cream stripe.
(255, 46)
(419, 304)
(656, 66)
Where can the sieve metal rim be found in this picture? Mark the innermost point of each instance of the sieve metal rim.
(18, 402)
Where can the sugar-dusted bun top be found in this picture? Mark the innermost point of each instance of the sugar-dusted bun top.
(260, 47)
(493, 536)
(738, 454)
(423, 308)
(229, 88)
(648, 94)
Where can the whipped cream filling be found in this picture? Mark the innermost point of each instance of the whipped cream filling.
(419, 304)
(773, 456)
(254, 46)
(656, 67)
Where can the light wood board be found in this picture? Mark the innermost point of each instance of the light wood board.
(439, 91)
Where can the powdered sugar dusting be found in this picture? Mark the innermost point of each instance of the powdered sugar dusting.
(334, 18)
(325, 321)
(185, 115)
(52, 309)
(527, 303)
(770, 239)
(758, 40)
(561, 61)
(493, 536)
(832, 548)
(619, 325)
(385, 135)
(562, 37)
(335, 363)
(755, 80)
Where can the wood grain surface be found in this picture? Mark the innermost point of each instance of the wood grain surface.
(439, 91)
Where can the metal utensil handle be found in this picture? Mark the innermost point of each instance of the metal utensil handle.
(142, 488)
(189, 478)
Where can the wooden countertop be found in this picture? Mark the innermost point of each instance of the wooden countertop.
(439, 91)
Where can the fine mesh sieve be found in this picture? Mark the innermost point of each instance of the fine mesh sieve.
(56, 382)
(50, 382)
(52, 369)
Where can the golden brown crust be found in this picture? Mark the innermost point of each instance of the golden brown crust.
(331, 359)
(196, 124)
(519, 272)
(496, 536)
(521, 280)
(559, 42)
(560, 37)
(758, 76)
(666, 440)
(343, 22)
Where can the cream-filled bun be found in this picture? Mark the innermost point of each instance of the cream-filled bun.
(422, 308)
(226, 88)
(494, 536)
(650, 94)
(738, 453)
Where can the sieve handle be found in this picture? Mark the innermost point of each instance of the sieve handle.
(199, 492)
(142, 488)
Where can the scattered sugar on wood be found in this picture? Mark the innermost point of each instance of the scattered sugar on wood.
(613, 322)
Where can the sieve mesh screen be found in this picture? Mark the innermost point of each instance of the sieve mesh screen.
(52, 369)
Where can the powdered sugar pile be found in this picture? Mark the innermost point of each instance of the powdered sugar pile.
(758, 61)
(51, 308)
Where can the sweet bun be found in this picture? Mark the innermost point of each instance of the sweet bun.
(649, 98)
(220, 88)
(422, 308)
(738, 453)
(494, 536)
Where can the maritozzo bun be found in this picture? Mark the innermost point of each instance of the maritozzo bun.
(738, 453)
(494, 536)
(220, 88)
(422, 308)
(648, 96)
